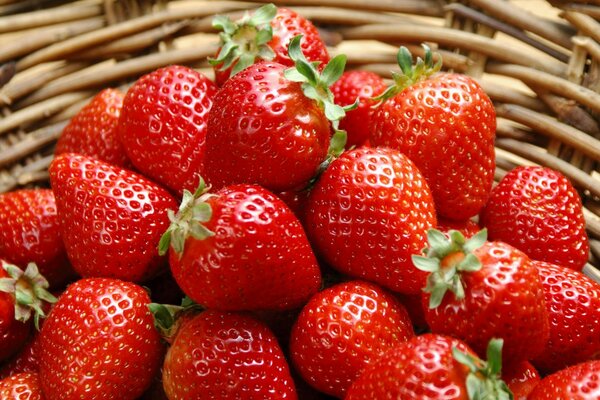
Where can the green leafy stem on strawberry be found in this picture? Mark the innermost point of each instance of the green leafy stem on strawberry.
(167, 317)
(445, 259)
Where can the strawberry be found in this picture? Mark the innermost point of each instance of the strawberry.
(537, 210)
(240, 248)
(342, 330)
(467, 227)
(25, 386)
(22, 295)
(29, 232)
(93, 130)
(521, 378)
(99, 342)
(573, 305)
(579, 382)
(264, 35)
(414, 306)
(479, 290)
(368, 213)
(163, 125)
(111, 219)
(446, 125)
(270, 124)
(363, 85)
(222, 356)
(433, 367)
(25, 360)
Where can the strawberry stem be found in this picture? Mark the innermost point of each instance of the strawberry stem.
(167, 316)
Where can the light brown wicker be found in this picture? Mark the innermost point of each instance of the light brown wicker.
(541, 67)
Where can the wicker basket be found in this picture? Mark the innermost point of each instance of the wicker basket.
(541, 68)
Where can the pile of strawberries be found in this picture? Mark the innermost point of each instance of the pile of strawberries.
(207, 240)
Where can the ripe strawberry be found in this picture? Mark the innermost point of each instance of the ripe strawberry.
(26, 360)
(521, 378)
(111, 219)
(446, 125)
(29, 232)
(573, 305)
(368, 213)
(342, 330)
(22, 293)
(24, 386)
(480, 290)
(270, 125)
(264, 35)
(432, 367)
(414, 306)
(241, 248)
(163, 125)
(579, 382)
(537, 210)
(93, 131)
(222, 356)
(361, 85)
(467, 227)
(99, 342)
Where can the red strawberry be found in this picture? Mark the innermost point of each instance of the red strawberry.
(26, 360)
(342, 330)
(264, 35)
(368, 213)
(480, 290)
(99, 342)
(573, 304)
(111, 219)
(467, 227)
(361, 85)
(24, 386)
(163, 125)
(22, 293)
(432, 367)
(579, 382)
(29, 232)
(537, 210)
(222, 356)
(241, 248)
(93, 131)
(521, 379)
(414, 306)
(446, 125)
(269, 124)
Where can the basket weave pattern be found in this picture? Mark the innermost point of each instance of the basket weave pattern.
(542, 73)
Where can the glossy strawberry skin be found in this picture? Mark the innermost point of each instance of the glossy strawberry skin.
(259, 257)
(93, 130)
(422, 368)
(504, 299)
(342, 330)
(467, 227)
(26, 360)
(361, 85)
(111, 219)
(13, 333)
(537, 210)
(263, 130)
(221, 356)
(25, 386)
(163, 125)
(368, 213)
(573, 304)
(521, 379)
(578, 382)
(30, 232)
(99, 342)
(446, 125)
(288, 24)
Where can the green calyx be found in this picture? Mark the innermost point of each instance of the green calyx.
(315, 86)
(410, 73)
(30, 290)
(193, 212)
(245, 40)
(446, 259)
(484, 381)
(166, 316)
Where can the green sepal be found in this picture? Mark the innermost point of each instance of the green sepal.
(410, 73)
(193, 212)
(245, 40)
(166, 316)
(484, 380)
(443, 278)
